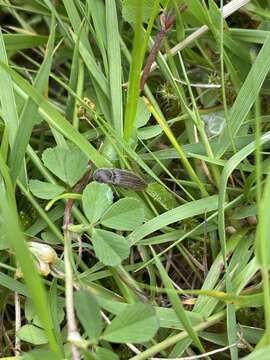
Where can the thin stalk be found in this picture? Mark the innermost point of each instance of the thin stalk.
(222, 78)
(73, 333)
(79, 91)
(17, 323)
(258, 171)
(258, 157)
(266, 296)
(168, 21)
(71, 320)
(229, 9)
(150, 25)
(200, 125)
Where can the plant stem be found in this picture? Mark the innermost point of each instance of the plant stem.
(17, 323)
(266, 295)
(168, 21)
(71, 320)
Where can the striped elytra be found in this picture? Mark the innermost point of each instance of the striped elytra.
(119, 177)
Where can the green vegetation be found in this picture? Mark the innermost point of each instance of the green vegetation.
(177, 93)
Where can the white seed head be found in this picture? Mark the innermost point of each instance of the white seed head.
(43, 252)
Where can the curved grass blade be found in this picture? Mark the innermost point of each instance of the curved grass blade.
(29, 116)
(193, 208)
(176, 304)
(134, 76)
(228, 168)
(16, 42)
(17, 241)
(115, 67)
(246, 97)
(7, 98)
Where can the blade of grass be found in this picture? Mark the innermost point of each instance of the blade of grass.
(190, 209)
(229, 167)
(155, 9)
(262, 252)
(9, 110)
(29, 114)
(12, 284)
(17, 241)
(85, 49)
(8, 104)
(176, 303)
(227, 170)
(16, 42)
(134, 75)
(199, 123)
(115, 66)
(73, 79)
(97, 12)
(246, 97)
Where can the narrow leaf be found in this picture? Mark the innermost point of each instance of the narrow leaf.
(262, 236)
(246, 97)
(29, 114)
(115, 67)
(177, 305)
(185, 211)
(134, 76)
(7, 98)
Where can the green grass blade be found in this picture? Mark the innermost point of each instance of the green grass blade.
(227, 170)
(16, 42)
(134, 75)
(246, 97)
(85, 48)
(115, 66)
(8, 104)
(262, 240)
(193, 208)
(229, 167)
(17, 241)
(176, 304)
(262, 252)
(97, 12)
(29, 114)
(73, 80)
